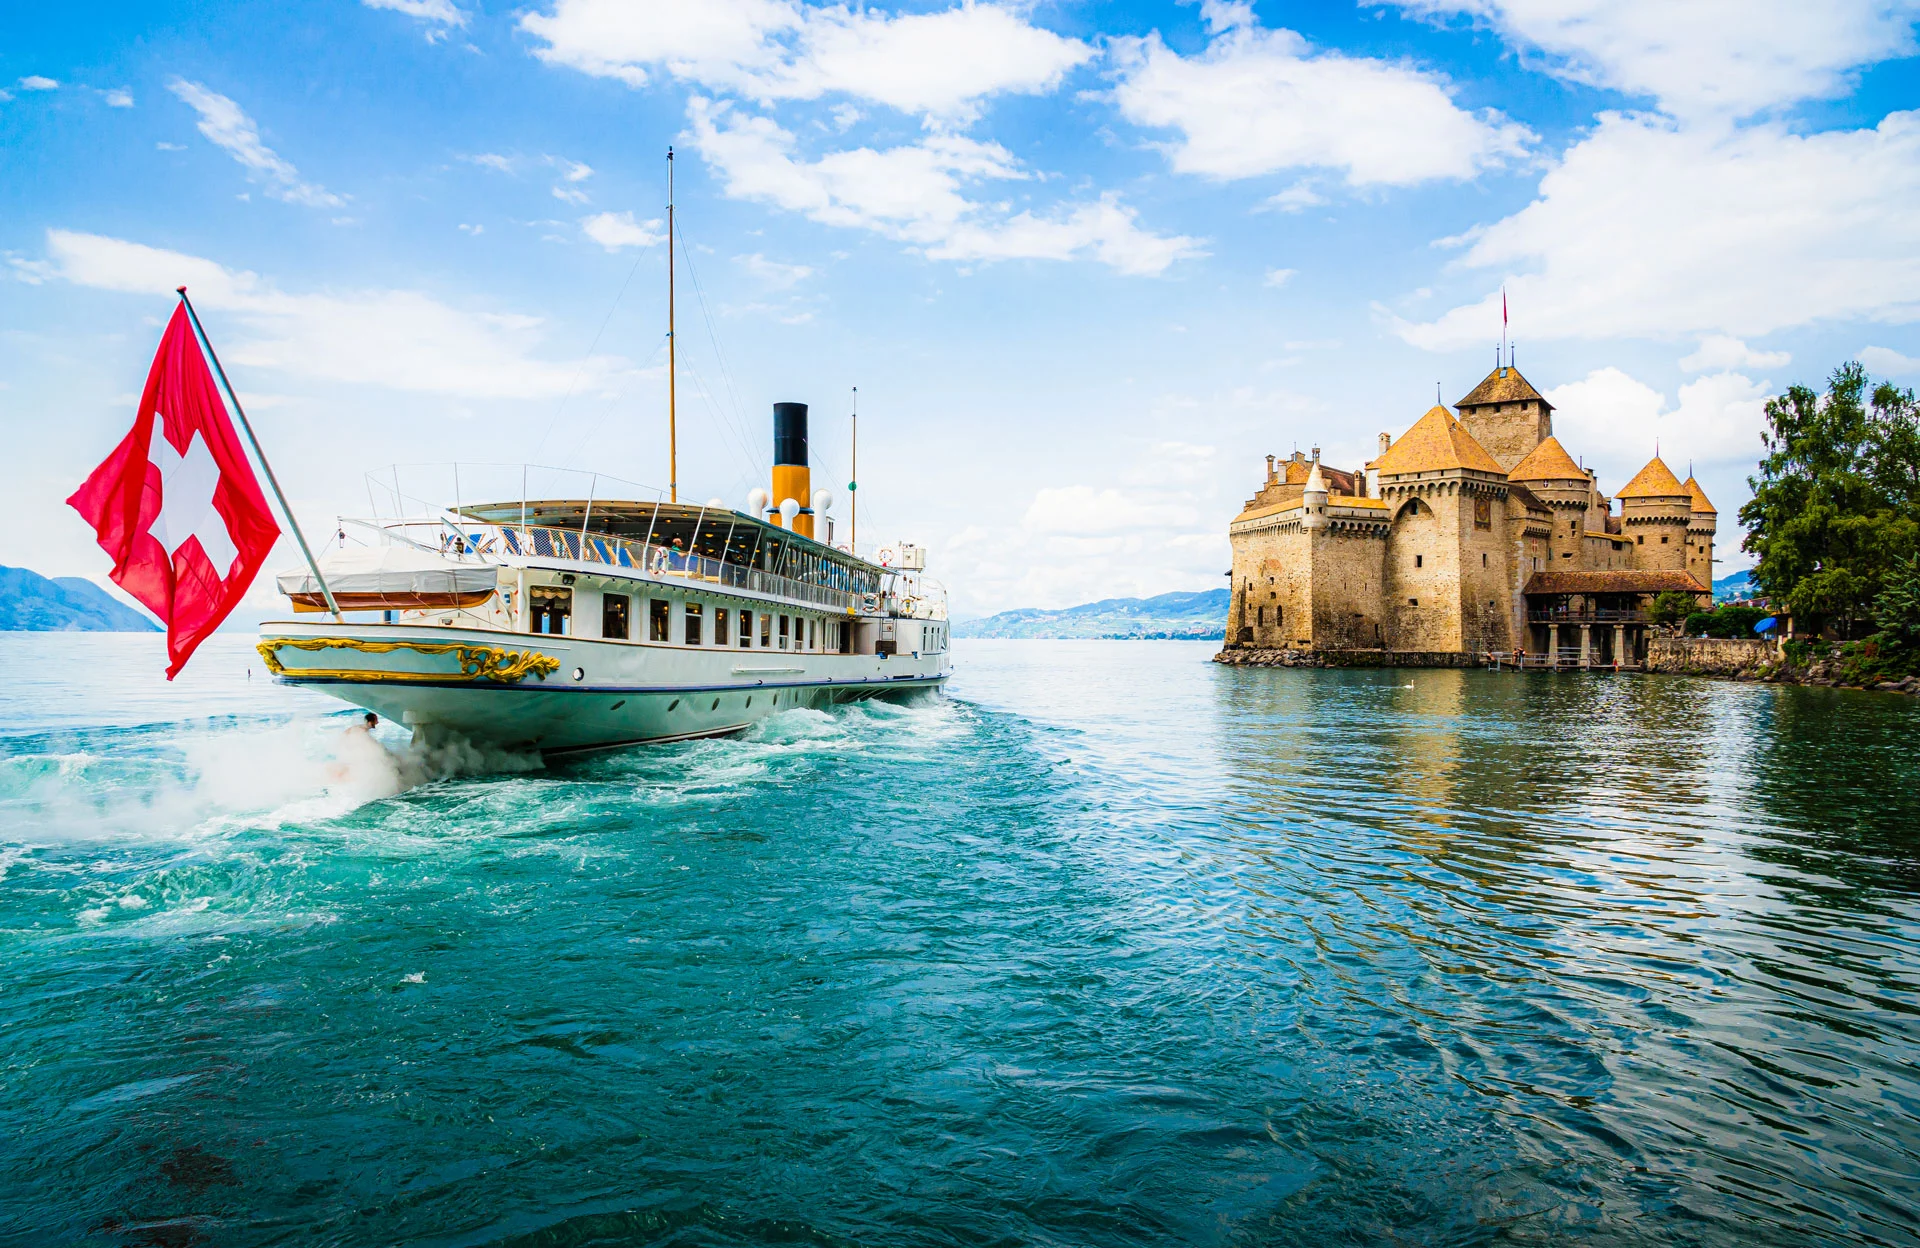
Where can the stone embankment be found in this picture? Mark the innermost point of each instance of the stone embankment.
(1756, 660)
(1708, 656)
(1248, 657)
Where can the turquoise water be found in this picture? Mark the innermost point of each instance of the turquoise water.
(1107, 946)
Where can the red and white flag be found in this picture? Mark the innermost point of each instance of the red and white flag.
(176, 504)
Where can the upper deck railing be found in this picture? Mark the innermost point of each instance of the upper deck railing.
(642, 560)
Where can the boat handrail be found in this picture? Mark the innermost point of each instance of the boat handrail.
(485, 542)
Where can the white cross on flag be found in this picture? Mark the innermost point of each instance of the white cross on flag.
(176, 504)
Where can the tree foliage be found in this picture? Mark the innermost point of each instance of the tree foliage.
(1897, 609)
(1725, 621)
(1670, 606)
(1836, 505)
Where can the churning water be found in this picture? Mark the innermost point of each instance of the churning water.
(1106, 946)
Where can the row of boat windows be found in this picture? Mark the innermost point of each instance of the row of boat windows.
(550, 612)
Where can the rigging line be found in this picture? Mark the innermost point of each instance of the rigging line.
(738, 441)
(706, 396)
(720, 358)
(580, 369)
(734, 440)
(606, 410)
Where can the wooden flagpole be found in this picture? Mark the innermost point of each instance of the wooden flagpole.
(206, 344)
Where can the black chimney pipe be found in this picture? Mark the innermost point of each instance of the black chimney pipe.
(790, 435)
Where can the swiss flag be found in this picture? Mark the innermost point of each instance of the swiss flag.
(176, 504)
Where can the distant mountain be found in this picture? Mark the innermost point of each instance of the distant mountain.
(1735, 585)
(1196, 616)
(30, 603)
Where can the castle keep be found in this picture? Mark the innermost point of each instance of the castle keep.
(1469, 535)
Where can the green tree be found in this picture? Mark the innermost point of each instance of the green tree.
(1897, 609)
(1671, 606)
(1836, 504)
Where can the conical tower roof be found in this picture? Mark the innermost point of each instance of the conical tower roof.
(1700, 503)
(1548, 462)
(1504, 385)
(1437, 441)
(1656, 480)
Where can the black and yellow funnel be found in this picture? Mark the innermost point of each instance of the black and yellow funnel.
(792, 479)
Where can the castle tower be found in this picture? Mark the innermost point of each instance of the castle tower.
(1506, 416)
(1314, 500)
(1701, 522)
(1566, 487)
(1656, 511)
(1444, 576)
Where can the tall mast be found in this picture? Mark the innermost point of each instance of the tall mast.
(853, 482)
(673, 427)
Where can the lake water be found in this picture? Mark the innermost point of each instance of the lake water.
(1107, 946)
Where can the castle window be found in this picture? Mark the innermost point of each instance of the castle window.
(1483, 560)
(1419, 561)
(1276, 617)
(1413, 602)
(1663, 539)
(1263, 616)
(1643, 539)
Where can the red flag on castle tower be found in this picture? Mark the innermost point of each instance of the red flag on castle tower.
(176, 504)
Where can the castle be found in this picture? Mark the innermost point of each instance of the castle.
(1468, 535)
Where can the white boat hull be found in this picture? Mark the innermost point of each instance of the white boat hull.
(559, 694)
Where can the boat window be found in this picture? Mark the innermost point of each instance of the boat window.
(810, 634)
(766, 630)
(746, 628)
(846, 637)
(658, 611)
(548, 608)
(720, 626)
(783, 632)
(694, 624)
(613, 616)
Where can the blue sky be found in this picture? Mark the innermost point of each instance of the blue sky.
(1086, 263)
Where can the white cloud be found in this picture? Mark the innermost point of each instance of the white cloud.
(491, 160)
(1650, 229)
(224, 124)
(1718, 352)
(34, 82)
(1703, 57)
(164, 146)
(571, 170)
(397, 339)
(1162, 527)
(915, 193)
(1279, 277)
(1615, 422)
(473, 230)
(569, 195)
(614, 230)
(1258, 101)
(941, 64)
(440, 12)
(1296, 198)
(774, 274)
(118, 97)
(1888, 363)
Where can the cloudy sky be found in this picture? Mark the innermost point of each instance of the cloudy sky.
(1086, 262)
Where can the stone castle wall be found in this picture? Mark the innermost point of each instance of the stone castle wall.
(1348, 573)
(1713, 656)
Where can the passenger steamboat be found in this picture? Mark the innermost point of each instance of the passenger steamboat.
(564, 625)
(578, 624)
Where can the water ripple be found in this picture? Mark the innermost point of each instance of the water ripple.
(1111, 946)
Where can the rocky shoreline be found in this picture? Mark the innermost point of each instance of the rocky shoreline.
(1828, 673)
(1741, 661)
